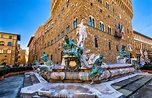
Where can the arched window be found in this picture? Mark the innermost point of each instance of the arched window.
(9, 43)
(75, 23)
(101, 26)
(8, 51)
(91, 21)
(1, 43)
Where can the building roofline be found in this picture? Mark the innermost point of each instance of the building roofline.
(18, 35)
(30, 41)
(142, 34)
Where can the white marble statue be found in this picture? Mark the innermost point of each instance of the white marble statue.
(146, 56)
(82, 34)
(141, 54)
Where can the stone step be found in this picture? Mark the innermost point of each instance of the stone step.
(27, 80)
(133, 87)
(125, 82)
(34, 79)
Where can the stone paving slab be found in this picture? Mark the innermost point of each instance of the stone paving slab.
(27, 81)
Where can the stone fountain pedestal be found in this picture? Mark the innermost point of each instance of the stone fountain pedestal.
(61, 74)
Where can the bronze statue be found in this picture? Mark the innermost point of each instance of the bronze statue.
(123, 53)
(97, 69)
(68, 46)
(44, 57)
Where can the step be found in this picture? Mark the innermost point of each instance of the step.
(34, 79)
(27, 81)
(133, 87)
(125, 82)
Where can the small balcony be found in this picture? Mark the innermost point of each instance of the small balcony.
(117, 35)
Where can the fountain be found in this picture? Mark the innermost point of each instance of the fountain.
(81, 75)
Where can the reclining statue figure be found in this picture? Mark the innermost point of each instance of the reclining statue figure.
(97, 69)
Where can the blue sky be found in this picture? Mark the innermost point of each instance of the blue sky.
(25, 16)
(142, 21)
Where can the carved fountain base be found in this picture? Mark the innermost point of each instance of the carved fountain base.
(60, 74)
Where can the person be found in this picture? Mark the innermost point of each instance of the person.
(68, 46)
(97, 69)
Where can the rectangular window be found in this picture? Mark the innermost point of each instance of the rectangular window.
(75, 23)
(9, 44)
(117, 47)
(109, 30)
(62, 33)
(62, 11)
(68, 3)
(113, 10)
(58, 16)
(51, 57)
(109, 45)
(107, 6)
(100, 1)
(8, 51)
(58, 36)
(51, 42)
(68, 29)
(1, 51)
(2, 36)
(48, 44)
(93, 25)
(1, 43)
(96, 42)
(10, 37)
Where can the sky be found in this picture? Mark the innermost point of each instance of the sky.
(142, 20)
(25, 16)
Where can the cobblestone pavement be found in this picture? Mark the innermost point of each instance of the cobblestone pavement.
(10, 86)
